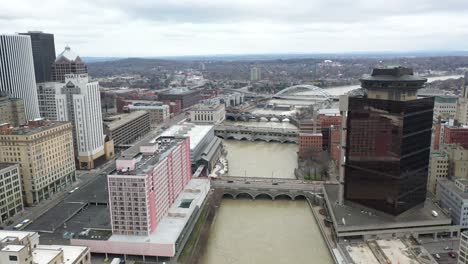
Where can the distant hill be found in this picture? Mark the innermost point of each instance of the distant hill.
(100, 59)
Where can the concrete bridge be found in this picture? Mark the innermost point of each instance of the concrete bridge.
(257, 134)
(232, 116)
(261, 188)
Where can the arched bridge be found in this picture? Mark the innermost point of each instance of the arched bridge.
(257, 134)
(232, 116)
(304, 92)
(261, 188)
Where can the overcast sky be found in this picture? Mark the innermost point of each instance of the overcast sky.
(202, 27)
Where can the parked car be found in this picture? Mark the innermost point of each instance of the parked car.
(452, 254)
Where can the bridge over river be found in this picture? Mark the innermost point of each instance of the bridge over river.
(277, 188)
(267, 134)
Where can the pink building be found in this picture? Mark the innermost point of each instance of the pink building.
(146, 184)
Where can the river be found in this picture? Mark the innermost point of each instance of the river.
(265, 232)
(261, 159)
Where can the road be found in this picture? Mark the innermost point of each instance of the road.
(438, 247)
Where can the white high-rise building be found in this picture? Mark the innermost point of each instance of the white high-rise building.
(17, 72)
(255, 74)
(79, 102)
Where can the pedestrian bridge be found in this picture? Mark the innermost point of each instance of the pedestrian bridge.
(261, 188)
(257, 134)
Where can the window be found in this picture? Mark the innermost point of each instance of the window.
(13, 258)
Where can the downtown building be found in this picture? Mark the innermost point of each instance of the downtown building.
(384, 161)
(17, 78)
(67, 62)
(208, 112)
(185, 96)
(152, 201)
(44, 152)
(126, 128)
(158, 112)
(79, 102)
(11, 200)
(43, 50)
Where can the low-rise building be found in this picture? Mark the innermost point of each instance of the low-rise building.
(12, 111)
(208, 113)
(158, 112)
(21, 247)
(11, 201)
(453, 196)
(44, 152)
(456, 135)
(126, 128)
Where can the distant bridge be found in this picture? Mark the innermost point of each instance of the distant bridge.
(257, 134)
(296, 92)
(256, 188)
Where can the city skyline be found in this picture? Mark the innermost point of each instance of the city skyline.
(149, 28)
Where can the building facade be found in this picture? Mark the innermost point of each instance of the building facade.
(456, 135)
(463, 249)
(310, 143)
(255, 74)
(438, 169)
(79, 102)
(17, 72)
(388, 140)
(126, 128)
(43, 49)
(67, 62)
(445, 107)
(11, 200)
(44, 151)
(12, 111)
(208, 113)
(159, 113)
(453, 197)
(146, 184)
(46, 93)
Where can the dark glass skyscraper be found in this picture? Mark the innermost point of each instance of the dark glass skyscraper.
(43, 48)
(388, 140)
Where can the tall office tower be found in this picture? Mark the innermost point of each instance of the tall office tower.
(67, 62)
(147, 182)
(255, 74)
(17, 72)
(388, 140)
(44, 151)
(43, 49)
(79, 102)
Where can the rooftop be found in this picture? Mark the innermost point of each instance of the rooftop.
(119, 120)
(451, 185)
(353, 217)
(392, 75)
(6, 165)
(207, 106)
(44, 256)
(195, 132)
(68, 55)
(13, 248)
(154, 105)
(16, 234)
(33, 127)
(329, 112)
(70, 253)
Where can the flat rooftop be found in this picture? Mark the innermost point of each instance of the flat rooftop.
(6, 165)
(352, 217)
(44, 255)
(15, 234)
(179, 90)
(453, 187)
(70, 253)
(122, 119)
(13, 248)
(32, 129)
(195, 132)
(329, 112)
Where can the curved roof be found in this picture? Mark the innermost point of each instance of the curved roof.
(68, 55)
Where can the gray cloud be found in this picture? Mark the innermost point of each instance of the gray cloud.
(178, 27)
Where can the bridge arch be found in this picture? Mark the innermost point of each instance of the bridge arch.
(290, 91)
(284, 196)
(231, 118)
(244, 195)
(264, 196)
(299, 197)
(229, 195)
